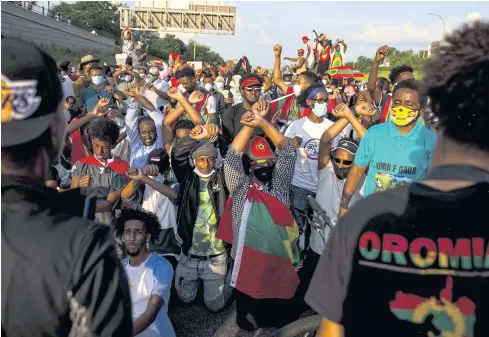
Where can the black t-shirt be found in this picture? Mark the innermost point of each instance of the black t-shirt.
(407, 262)
(60, 273)
(231, 126)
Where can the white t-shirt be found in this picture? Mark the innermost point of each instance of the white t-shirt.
(67, 87)
(157, 203)
(330, 190)
(152, 277)
(306, 164)
(158, 102)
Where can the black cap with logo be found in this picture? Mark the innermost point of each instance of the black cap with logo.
(31, 92)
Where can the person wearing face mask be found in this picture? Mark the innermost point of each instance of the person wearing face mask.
(83, 80)
(288, 109)
(258, 181)
(304, 135)
(218, 96)
(334, 163)
(91, 95)
(155, 92)
(397, 152)
(204, 193)
(234, 90)
(219, 82)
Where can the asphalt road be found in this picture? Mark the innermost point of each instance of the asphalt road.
(194, 320)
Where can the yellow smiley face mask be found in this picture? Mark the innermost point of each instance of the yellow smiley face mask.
(403, 116)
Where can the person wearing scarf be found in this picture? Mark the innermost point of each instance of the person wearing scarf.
(259, 224)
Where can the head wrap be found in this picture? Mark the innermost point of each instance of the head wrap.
(250, 81)
(300, 51)
(305, 38)
(316, 91)
(204, 148)
(258, 149)
(220, 79)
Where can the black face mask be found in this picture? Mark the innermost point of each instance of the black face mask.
(74, 110)
(341, 173)
(264, 174)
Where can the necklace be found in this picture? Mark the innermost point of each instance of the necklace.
(137, 274)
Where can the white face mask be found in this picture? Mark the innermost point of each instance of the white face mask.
(320, 109)
(324, 82)
(208, 86)
(287, 84)
(220, 85)
(329, 90)
(297, 89)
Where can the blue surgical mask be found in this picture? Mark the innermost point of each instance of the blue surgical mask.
(320, 109)
(97, 80)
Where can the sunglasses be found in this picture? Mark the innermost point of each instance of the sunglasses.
(320, 100)
(346, 162)
(251, 89)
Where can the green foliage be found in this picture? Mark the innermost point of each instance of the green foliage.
(202, 53)
(396, 58)
(104, 16)
(162, 47)
(74, 55)
(101, 15)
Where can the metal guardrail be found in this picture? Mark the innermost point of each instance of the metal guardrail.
(32, 6)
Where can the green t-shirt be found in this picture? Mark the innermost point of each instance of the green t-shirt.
(204, 240)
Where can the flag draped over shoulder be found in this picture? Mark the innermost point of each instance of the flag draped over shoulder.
(267, 251)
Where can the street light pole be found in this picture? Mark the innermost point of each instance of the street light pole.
(195, 44)
(444, 27)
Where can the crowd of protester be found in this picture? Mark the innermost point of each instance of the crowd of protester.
(203, 176)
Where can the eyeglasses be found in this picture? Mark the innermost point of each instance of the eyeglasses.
(251, 89)
(346, 162)
(320, 100)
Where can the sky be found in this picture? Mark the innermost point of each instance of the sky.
(364, 26)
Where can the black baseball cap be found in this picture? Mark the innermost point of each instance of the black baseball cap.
(160, 158)
(31, 91)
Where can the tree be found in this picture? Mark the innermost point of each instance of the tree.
(202, 53)
(101, 15)
(145, 36)
(162, 47)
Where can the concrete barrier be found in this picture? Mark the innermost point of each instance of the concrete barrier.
(27, 25)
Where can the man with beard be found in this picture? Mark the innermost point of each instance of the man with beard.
(60, 274)
(259, 224)
(207, 106)
(144, 133)
(250, 87)
(413, 261)
(397, 152)
(288, 109)
(150, 275)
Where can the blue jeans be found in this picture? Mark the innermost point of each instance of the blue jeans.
(299, 205)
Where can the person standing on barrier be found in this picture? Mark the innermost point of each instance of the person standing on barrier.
(60, 273)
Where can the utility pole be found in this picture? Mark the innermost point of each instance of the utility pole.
(195, 44)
